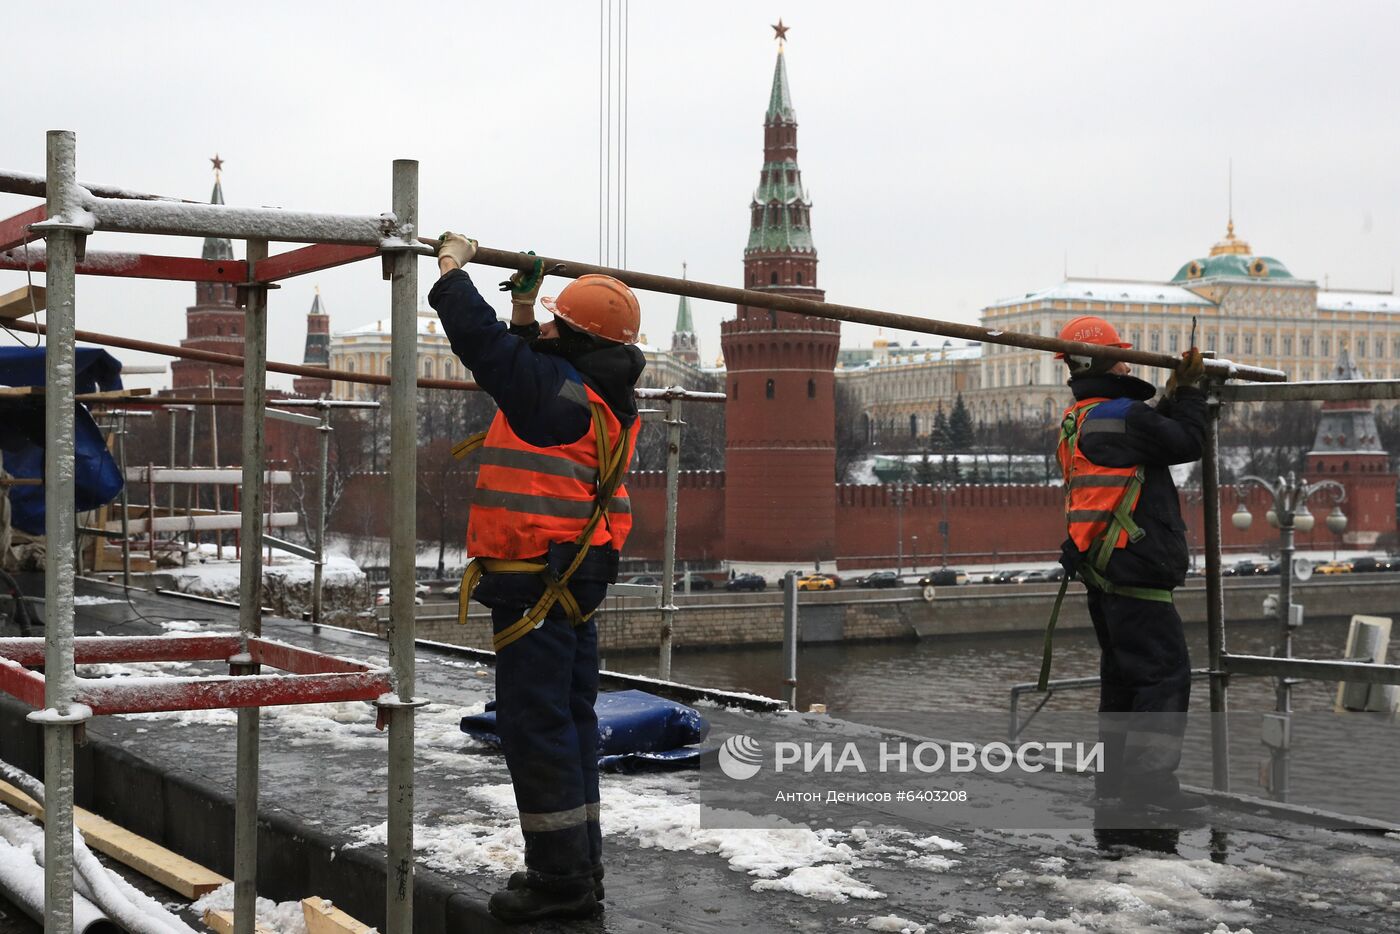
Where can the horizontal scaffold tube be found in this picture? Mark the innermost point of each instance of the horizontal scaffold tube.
(293, 369)
(759, 298)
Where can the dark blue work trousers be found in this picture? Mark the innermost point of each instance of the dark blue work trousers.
(546, 685)
(1144, 691)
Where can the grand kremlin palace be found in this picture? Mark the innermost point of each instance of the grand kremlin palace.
(1249, 308)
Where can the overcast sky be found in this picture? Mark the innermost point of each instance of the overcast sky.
(956, 153)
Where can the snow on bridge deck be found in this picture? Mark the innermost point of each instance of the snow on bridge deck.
(324, 768)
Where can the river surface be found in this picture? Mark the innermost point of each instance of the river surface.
(974, 672)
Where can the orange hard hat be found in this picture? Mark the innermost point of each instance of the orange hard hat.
(1090, 329)
(599, 305)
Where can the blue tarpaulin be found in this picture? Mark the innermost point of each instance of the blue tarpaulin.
(634, 729)
(97, 480)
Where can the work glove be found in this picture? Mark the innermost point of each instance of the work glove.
(1188, 372)
(456, 246)
(524, 286)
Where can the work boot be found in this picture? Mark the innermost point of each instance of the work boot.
(527, 903)
(520, 879)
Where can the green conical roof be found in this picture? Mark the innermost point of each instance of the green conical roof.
(780, 99)
(217, 247)
(684, 323)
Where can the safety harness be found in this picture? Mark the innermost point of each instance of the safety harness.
(1120, 526)
(612, 465)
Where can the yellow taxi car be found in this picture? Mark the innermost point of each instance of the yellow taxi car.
(815, 582)
(1333, 567)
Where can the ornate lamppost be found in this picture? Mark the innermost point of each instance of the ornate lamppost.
(901, 492)
(1289, 511)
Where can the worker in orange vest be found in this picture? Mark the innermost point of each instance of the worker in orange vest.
(548, 519)
(1127, 543)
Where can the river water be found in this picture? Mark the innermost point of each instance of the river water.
(974, 673)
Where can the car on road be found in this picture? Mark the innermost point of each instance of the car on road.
(1040, 576)
(1370, 565)
(831, 577)
(1333, 567)
(879, 579)
(421, 589)
(815, 582)
(1271, 567)
(696, 583)
(746, 582)
(643, 580)
(381, 597)
(943, 577)
(1002, 577)
(1241, 569)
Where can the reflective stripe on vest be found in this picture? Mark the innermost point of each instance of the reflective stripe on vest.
(1092, 492)
(529, 497)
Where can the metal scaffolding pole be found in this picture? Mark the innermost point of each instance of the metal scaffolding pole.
(401, 267)
(245, 837)
(60, 718)
(1215, 598)
(668, 557)
(323, 437)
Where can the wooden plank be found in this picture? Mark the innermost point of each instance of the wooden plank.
(324, 918)
(221, 922)
(226, 520)
(16, 391)
(230, 475)
(22, 301)
(119, 394)
(152, 860)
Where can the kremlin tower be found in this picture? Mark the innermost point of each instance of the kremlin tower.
(215, 320)
(318, 350)
(780, 448)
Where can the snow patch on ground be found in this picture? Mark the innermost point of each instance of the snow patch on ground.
(826, 883)
(1138, 893)
(895, 924)
(182, 625)
(279, 917)
(85, 600)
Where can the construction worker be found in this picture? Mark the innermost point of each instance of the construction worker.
(548, 519)
(1127, 543)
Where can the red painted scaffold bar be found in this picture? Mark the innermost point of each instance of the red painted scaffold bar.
(309, 678)
(133, 265)
(312, 258)
(13, 230)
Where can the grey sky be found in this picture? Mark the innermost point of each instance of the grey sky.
(955, 153)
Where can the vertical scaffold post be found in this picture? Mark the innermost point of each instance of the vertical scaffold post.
(403, 470)
(60, 718)
(790, 638)
(323, 434)
(1215, 596)
(245, 835)
(668, 559)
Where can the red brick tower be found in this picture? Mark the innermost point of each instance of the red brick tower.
(1347, 448)
(780, 444)
(214, 321)
(318, 350)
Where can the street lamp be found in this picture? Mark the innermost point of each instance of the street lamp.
(900, 491)
(914, 557)
(1288, 511)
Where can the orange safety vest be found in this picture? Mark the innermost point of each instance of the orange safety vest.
(1093, 493)
(529, 497)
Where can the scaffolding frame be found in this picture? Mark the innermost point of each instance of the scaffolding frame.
(72, 212)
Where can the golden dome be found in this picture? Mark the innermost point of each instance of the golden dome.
(1231, 243)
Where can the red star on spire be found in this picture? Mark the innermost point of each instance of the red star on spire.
(780, 31)
(218, 163)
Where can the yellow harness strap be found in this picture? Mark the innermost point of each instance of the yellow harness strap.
(611, 467)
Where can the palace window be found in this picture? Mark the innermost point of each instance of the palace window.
(799, 278)
(1268, 344)
(1307, 346)
(1173, 342)
(773, 277)
(1327, 346)
(1380, 348)
(1361, 348)
(1155, 339)
(1229, 343)
(1249, 343)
